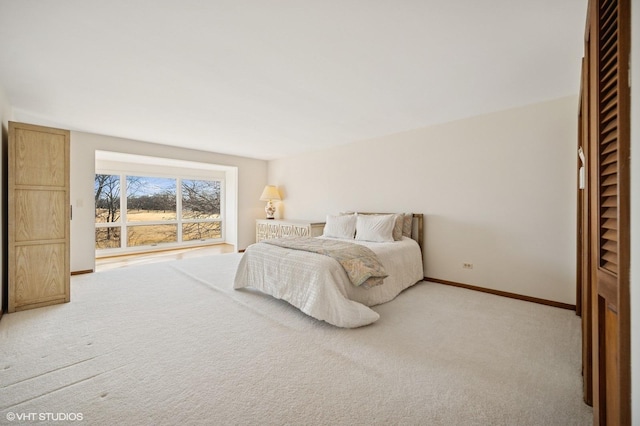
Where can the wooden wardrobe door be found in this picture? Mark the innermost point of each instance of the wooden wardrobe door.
(610, 249)
(39, 211)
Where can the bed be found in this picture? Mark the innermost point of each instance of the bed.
(320, 287)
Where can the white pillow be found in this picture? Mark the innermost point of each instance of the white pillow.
(377, 228)
(343, 226)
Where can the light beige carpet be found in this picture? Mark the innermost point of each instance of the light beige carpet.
(173, 343)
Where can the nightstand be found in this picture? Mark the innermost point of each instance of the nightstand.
(276, 228)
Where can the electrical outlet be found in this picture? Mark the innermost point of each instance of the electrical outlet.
(467, 266)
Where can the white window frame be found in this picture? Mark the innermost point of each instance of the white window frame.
(124, 224)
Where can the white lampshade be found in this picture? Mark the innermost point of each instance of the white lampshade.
(269, 193)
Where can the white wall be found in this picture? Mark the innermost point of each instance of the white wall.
(498, 191)
(635, 212)
(5, 116)
(250, 180)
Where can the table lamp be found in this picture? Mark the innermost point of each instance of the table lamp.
(269, 194)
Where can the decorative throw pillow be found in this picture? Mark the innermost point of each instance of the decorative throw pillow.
(343, 226)
(408, 225)
(397, 226)
(377, 228)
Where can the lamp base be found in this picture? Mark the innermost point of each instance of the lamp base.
(270, 209)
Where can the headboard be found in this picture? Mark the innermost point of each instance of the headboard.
(417, 228)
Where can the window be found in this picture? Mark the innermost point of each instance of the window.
(151, 203)
(200, 210)
(140, 211)
(107, 197)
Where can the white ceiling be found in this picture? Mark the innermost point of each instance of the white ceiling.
(268, 79)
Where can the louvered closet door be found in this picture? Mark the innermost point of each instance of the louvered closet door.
(609, 150)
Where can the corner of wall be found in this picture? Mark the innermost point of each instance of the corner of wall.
(5, 116)
(4, 297)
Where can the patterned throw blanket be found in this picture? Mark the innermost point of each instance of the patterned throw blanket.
(360, 263)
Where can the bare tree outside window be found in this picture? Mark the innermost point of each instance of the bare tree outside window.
(107, 201)
(201, 200)
(201, 231)
(107, 197)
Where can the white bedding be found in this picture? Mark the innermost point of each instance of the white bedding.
(319, 286)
